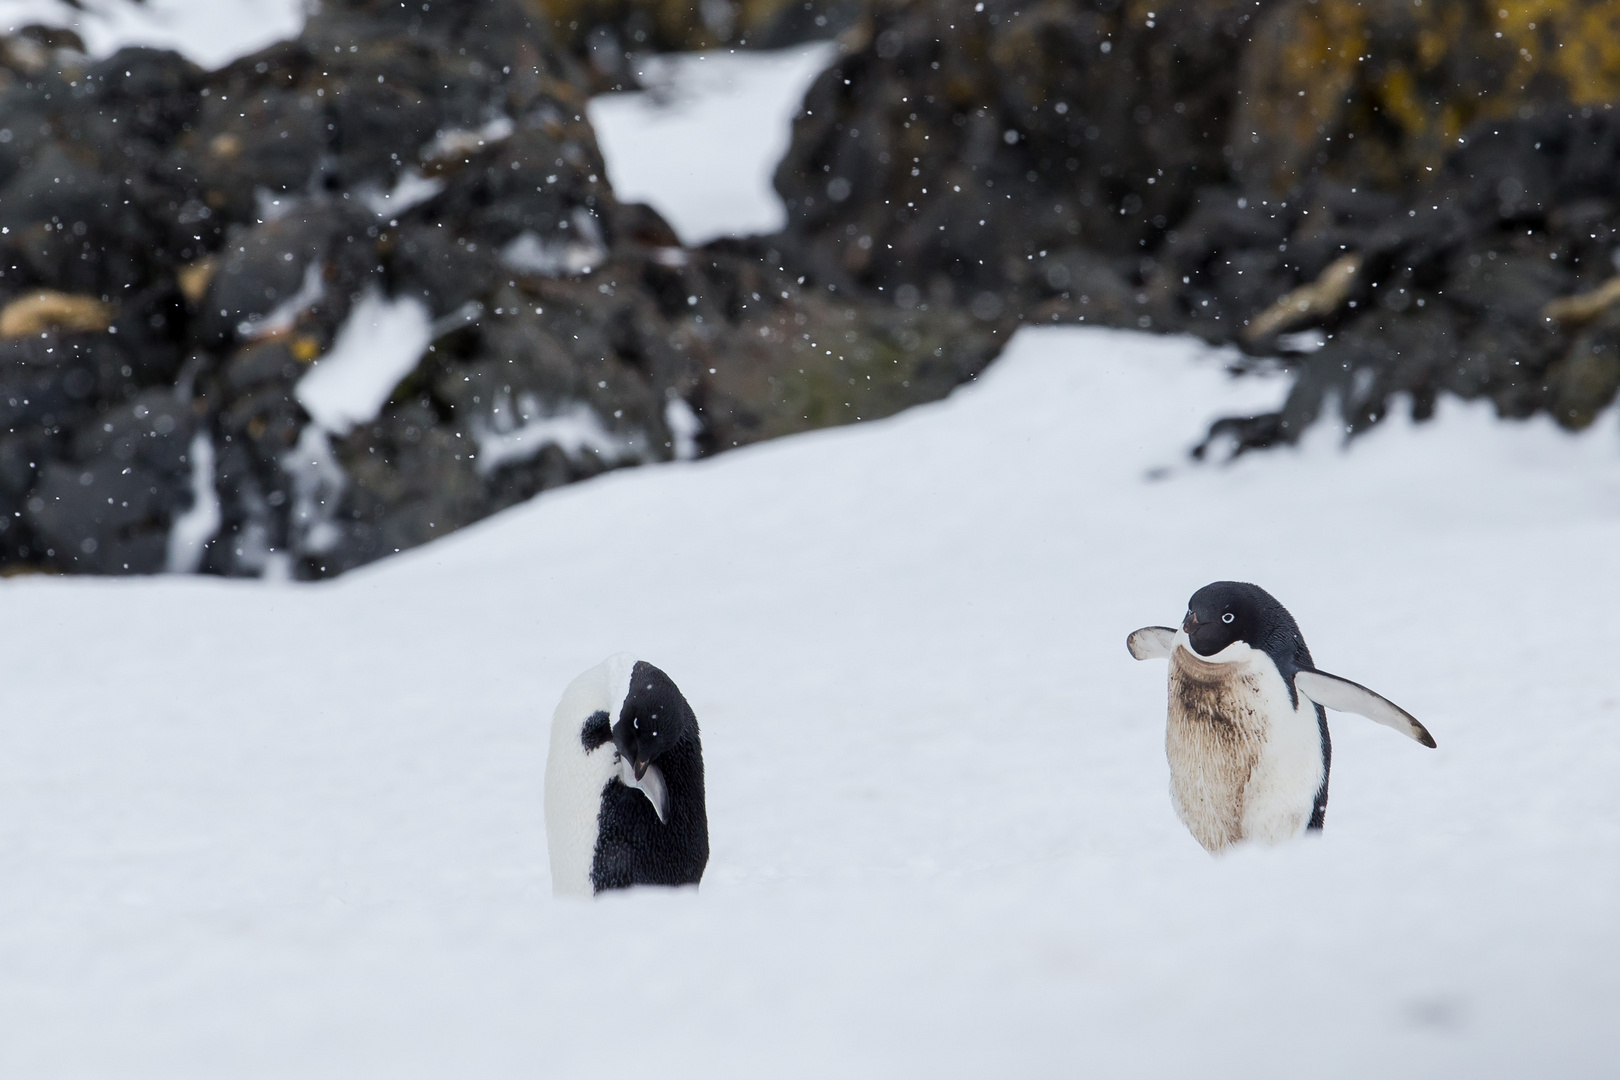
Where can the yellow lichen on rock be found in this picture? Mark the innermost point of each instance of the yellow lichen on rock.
(194, 279)
(1380, 90)
(1300, 73)
(1588, 56)
(305, 349)
(1583, 307)
(38, 312)
(1317, 300)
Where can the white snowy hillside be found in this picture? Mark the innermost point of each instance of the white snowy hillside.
(270, 831)
(210, 33)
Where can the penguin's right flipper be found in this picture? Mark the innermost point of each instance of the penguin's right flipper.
(1151, 642)
(1347, 696)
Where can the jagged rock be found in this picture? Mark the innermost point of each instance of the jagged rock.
(1412, 189)
(1457, 284)
(955, 145)
(105, 507)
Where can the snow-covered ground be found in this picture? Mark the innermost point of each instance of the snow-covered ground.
(702, 146)
(271, 830)
(211, 33)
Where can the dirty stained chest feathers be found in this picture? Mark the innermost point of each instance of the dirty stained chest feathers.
(1224, 696)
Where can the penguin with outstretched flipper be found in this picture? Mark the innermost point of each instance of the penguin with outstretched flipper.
(1247, 736)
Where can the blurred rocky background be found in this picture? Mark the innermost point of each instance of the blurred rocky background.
(1394, 199)
(179, 248)
(605, 34)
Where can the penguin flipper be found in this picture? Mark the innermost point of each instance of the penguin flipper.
(1346, 696)
(651, 785)
(1151, 642)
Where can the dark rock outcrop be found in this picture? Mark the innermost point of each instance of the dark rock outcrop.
(1496, 279)
(180, 249)
(1426, 196)
(972, 151)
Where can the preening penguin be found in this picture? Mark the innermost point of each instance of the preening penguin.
(1247, 736)
(624, 782)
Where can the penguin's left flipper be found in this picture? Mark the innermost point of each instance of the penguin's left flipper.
(651, 785)
(1151, 642)
(1347, 696)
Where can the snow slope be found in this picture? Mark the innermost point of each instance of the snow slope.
(258, 830)
(702, 146)
(211, 33)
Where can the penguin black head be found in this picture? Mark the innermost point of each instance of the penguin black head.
(653, 719)
(1226, 611)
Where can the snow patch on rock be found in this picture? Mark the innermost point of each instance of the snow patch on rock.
(411, 189)
(318, 484)
(210, 33)
(684, 428)
(579, 251)
(190, 532)
(284, 316)
(518, 433)
(379, 344)
(702, 146)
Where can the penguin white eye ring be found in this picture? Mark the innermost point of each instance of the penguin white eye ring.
(624, 807)
(1247, 736)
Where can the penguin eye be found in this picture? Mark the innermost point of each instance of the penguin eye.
(1228, 617)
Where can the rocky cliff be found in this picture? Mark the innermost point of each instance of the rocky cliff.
(1425, 193)
(180, 251)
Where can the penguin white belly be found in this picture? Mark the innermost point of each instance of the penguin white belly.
(575, 777)
(1245, 763)
(574, 783)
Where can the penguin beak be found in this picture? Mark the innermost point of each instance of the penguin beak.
(641, 769)
(1190, 622)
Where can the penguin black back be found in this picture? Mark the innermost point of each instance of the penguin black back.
(1226, 611)
(633, 847)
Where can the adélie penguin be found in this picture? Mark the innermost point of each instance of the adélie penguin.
(1247, 737)
(624, 783)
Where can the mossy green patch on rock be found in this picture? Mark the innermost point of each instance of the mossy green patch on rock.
(1585, 381)
(825, 362)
